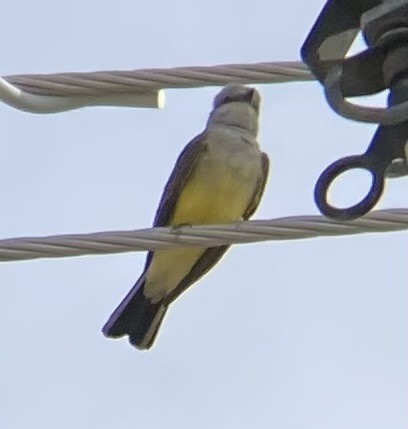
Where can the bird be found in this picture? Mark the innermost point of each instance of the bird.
(219, 177)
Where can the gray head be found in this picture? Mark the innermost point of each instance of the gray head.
(235, 93)
(237, 106)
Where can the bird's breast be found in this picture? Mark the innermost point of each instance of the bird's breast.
(221, 185)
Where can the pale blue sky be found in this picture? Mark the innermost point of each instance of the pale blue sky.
(289, 335)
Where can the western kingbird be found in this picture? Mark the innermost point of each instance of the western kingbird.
(218, 178)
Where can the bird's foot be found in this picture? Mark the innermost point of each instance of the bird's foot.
(176, 228)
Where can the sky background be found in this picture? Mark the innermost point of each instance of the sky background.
(289, 335)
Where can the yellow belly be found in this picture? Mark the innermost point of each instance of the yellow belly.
(219, 197)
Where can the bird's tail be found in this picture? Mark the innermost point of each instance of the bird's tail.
(137, 317)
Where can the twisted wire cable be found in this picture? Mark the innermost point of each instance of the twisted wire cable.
(93, 83)
(50, 93)
(288, 228)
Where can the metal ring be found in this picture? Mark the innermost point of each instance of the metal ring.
(375, 115)
(336, 169)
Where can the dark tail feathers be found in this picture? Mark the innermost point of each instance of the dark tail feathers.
(137, 317)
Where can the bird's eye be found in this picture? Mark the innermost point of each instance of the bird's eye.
(227, 100)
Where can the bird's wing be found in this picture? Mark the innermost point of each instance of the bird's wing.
(208, 259)
(184, 167)
(259, 190)
(213, 254)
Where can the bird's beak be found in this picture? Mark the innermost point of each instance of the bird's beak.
(253, 98)
(249, 96)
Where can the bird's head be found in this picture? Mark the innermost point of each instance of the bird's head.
(237, 106)
(235, 93)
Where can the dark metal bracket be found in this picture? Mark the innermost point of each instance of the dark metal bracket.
(383, 65)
